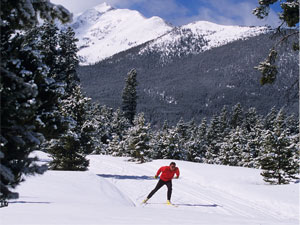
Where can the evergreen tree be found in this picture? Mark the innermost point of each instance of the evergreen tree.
(183, 131)
(191, 143)
(251, 119)
(116, 146)
(289, 16)
(252, 149)
(129, 96)
(292, 123)
(119, 123)
(279, 158)
(23, 75)
(170, 141)
(269, 119)
(213, 138)
(223, 118)
(69, 151)
(138, 139)
(202, 136)
(237, 116)
(67, 58)
(231, 149)
(159, 143)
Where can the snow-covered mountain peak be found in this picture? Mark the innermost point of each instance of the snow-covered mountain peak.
(104, 31)
(104, 7)
(197, 37)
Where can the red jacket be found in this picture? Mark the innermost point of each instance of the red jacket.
(167, 173)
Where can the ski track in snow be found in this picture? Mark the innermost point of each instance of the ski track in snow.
(187, 193)
(113, 189)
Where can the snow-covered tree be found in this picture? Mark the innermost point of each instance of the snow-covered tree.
(251, 119)
(279, 156)
(270, 118)
(23, 75)
(224, 123)
(253, 146)
(172, 150)
(69, 151)
(289, 17)
(236, 116)
(138, 139)
(116, 146)
(159, 143)
(231, 149)
(67, 58)
(213, 137)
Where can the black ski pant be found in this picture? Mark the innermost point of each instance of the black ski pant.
(159, 185)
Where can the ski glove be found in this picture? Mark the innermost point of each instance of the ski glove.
(155, 177)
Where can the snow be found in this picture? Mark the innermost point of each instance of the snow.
(215, 35)
(222, 34)
(112, 190)
(104, 31)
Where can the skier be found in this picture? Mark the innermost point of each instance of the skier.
(167, 174)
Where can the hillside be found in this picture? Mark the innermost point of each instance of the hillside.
(196, 85)
(113, 188)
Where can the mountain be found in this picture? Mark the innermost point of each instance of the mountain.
(104, 31)
(194, 70)
(197, 37)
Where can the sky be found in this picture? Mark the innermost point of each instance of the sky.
(180, 12)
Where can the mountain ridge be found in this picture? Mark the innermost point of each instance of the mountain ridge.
(104, 31)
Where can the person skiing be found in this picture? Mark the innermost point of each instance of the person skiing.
(167, 174)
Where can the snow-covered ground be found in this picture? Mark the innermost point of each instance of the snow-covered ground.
(112, 190)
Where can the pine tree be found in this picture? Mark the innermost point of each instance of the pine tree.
(292, 123)
(67, 58)
(237, 116)
(224, 123)
(129, 96)
(289, 16)
(279, 158)
(69, 151)
(171, 143)
(23, 75)
(231, 149)
(119, 123)
(252, 148)
(202, 136)
(251, 119)
(213, 138)
(116, 146)
(138, 140)
(270, 118)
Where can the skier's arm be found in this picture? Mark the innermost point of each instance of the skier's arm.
(177, 173)
(158, 172)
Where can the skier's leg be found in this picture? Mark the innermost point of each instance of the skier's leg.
(158, 186)
(169, 193)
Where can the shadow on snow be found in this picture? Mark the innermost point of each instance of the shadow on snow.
(27, 202)
(123, 177)
(187, 204)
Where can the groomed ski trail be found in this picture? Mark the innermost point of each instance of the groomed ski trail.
(189, 193)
